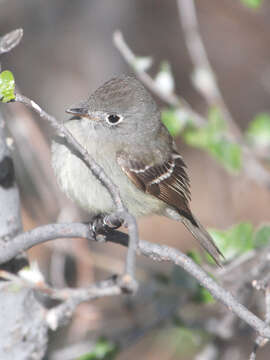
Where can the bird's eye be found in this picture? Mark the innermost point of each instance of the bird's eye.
(114, 119)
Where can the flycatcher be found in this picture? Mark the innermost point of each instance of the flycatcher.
(120, 127)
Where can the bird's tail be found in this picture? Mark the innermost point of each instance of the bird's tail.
(200, 234)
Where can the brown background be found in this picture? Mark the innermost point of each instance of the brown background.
(67, 51)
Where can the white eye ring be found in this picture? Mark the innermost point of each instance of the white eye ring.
(114, 119)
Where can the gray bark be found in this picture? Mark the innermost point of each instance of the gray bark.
(24, 334)
(10, 218)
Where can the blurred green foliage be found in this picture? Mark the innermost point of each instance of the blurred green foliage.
(262, 236)
(7, 86)
(234, 241)
(212, 137)
(240, 238)
(173, 123)
(185, 282)
(195, 256)
(103, 350)
(182, 341)
(203, 296)
(258, 131)
(253, 4)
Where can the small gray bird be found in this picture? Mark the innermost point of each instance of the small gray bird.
(120, 127)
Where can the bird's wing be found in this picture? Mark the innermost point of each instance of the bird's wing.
(167, 181)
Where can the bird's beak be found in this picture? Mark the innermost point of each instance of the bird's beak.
(82, 111)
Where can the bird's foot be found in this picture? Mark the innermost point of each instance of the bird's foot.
(102, 225)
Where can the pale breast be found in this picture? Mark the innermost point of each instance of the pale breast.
(81, 186)
(78, 183)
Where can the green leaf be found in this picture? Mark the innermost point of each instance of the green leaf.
(172, 121)
(235, 241)
(197, 137)
(229, 154)
(183, 342)
(203, 296)
(213, 138)
(103, 350)
(195, 256)
(258, 131)
(216, 121)
(7, 86)
(239, 239)
(253, 4)
(262, 236)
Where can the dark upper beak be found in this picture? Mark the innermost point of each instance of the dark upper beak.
(78, 111)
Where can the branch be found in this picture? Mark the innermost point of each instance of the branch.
(261, 341)
(71, 298)
(26, 240)
(122, 214)
(59, 315)
(63, 132)
(151, 250)
(19, 310)
(156, 252)
(209, 89)
(9, 194)
(206, 82)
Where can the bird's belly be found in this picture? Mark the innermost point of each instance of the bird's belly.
(81, 186)
(78, 182)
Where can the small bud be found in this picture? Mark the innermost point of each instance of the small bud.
(143, 63)
(204, 82)
(164, 79)
(10, 40)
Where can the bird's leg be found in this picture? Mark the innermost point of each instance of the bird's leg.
(103, 224)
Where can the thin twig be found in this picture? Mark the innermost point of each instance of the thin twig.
(267, 305)
(122, 213)
(71, 298)
(63, 132)
(210, 90)
(261, 341)
(251, 166)
(154, 251)
(58, 315)
(212, 94)
(170, 99)
(198, 54)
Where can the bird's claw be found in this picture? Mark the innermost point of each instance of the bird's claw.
(102, 225)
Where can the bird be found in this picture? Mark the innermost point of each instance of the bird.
(120, 127)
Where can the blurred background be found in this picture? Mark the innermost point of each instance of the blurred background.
(67, 52)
